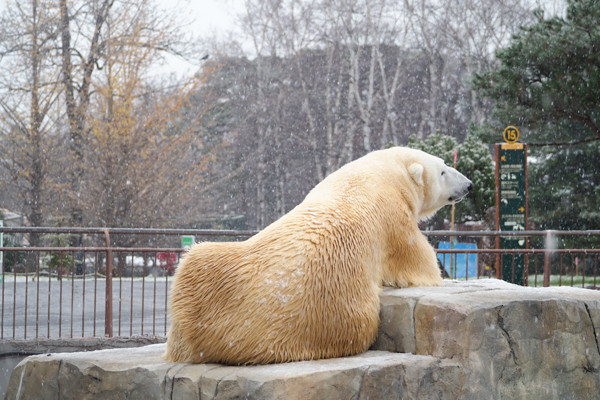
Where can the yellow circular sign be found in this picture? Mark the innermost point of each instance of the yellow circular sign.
(510, 134)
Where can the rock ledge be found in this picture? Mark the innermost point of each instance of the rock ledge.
(458, 341)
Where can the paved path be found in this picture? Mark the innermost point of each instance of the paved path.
(75, 308)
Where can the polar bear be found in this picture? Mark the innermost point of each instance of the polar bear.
(307, 286)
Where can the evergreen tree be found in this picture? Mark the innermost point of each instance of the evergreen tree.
(548, 79)
(564, 187)
(548, 84)
(475, 162)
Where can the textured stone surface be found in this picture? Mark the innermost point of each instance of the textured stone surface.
(514, 342)
(139, 374)
(12, 352)
(470, 340)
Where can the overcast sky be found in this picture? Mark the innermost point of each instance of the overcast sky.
(204, 18)
(210, 15)
(210, 18)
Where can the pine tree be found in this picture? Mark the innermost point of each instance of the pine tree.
(548, 79)
(475, 162)
(548, 84)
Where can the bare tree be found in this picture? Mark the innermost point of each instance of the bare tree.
(260, 22)
(78, 91)
(77, 81)
(135, 161)
(459, 38)
(475, 29)
(331, 80)
(29, 105)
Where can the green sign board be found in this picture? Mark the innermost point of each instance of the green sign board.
(187, 242)
(511, 169)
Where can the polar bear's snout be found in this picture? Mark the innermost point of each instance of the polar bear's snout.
(461, 186)
(458, 197)
(464, 187)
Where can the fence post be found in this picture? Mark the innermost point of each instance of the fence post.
(108, 305)
(548, 245)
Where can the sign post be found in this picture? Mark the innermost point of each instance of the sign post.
(1, 252)
(511, 205)
(452, 239)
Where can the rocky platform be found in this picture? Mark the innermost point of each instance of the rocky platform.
(482, 339)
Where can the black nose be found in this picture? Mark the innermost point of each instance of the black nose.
(470, 186)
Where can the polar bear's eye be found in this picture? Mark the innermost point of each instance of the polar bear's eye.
(443, 172)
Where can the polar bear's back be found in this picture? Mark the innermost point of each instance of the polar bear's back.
(273, 298)
(307, 286)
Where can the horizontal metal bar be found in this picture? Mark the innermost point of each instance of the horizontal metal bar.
(512, 233)
(516, 251)
(247, 233)
(100, 249)
(180, 250)
(129, 231)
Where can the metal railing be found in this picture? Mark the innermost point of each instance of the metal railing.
(544, 262)
(98, 289)
(116, 283)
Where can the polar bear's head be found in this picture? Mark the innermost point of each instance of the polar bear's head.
(440, 184)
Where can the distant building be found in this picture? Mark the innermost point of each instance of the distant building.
(12, 219)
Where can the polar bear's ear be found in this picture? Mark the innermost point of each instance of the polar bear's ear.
(416, 172)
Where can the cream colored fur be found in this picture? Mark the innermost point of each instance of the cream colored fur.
(307, 286)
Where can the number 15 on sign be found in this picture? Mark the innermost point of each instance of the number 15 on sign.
(510, 134)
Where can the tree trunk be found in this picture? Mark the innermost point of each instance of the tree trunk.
(37, 176)
(77, 108)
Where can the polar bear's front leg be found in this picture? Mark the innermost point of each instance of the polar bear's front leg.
(413, 263)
